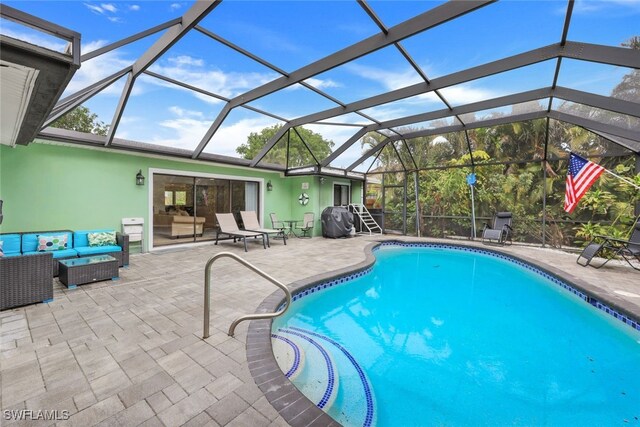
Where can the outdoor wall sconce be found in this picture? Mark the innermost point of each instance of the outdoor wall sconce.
(139, 178)
(269, 186)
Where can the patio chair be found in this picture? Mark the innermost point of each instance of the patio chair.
(275, 223)
(501, 229)
(609, 248)
(250, 220)
(227, 225)
(307, 224)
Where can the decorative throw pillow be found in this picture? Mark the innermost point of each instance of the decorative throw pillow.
(52, 243)
(103, 238)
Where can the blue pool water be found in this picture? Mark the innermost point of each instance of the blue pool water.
(447, 337)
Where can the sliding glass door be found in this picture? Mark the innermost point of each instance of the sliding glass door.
(211, 197)
(184, 207)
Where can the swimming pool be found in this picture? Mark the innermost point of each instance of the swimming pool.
(445, 336)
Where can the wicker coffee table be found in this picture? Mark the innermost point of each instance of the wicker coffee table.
(78, 271)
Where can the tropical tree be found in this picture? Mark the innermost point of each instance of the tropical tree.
(81, 119)
(299, 154)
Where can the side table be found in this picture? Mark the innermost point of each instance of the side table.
(78, 271)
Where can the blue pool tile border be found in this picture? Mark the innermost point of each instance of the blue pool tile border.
(330, 284)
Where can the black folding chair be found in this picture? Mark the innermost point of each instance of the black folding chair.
(501, 230)
(609, 248)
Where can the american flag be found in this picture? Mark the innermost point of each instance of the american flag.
(581, 176)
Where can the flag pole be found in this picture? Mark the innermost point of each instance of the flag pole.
(624, 179)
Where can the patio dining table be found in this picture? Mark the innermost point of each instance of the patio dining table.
(292, 223)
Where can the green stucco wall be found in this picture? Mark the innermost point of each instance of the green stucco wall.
(320, 196)
(49, 186)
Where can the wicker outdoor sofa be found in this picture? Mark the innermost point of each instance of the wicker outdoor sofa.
(26, 276)
(78, 246)
(26, 279)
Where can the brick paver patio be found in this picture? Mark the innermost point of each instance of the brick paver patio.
(130, 352)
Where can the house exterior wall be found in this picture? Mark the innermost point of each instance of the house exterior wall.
(50, 186)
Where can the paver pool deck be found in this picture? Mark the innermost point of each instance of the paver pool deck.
(130, 352)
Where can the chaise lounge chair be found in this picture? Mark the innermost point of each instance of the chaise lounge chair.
(608, 248)
(227, 225)
(250, 220)
(501, 230)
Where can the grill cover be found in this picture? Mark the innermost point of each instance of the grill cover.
(336, 222)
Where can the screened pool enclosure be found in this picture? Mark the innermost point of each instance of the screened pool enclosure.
(407, 98)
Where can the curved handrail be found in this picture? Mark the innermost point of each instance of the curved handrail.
(207, 294)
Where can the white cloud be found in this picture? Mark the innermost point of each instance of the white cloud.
(466, 93)
(230, 136)
(109, 7)
(116, 19)
(98, 68)
(175, 6)
(94, 8)
(181, 112)
(93, 45)
(591, 7)
(134, 7)
(186, 60)
(185, 128)
(187, 135)
(321, 83)
(36, 39)
(349, 156)
(390, 80)
(388, 112)
(128, 120)
(194, 71)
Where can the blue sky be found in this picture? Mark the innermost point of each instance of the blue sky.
(291, 34)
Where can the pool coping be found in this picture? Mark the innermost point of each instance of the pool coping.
(297, 410)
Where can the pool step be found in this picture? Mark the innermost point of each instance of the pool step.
(351, 400)
(316, 374)
(290, 357)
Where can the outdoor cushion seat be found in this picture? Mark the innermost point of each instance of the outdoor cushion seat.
(97, 250)
(119, 251)
(30, 245)
(81, 239)
(63, 253)
(30, 240)
(10, 244)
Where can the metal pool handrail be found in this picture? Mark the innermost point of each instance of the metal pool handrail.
(207, 293)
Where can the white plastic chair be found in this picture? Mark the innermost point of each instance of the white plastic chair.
(134, 228)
